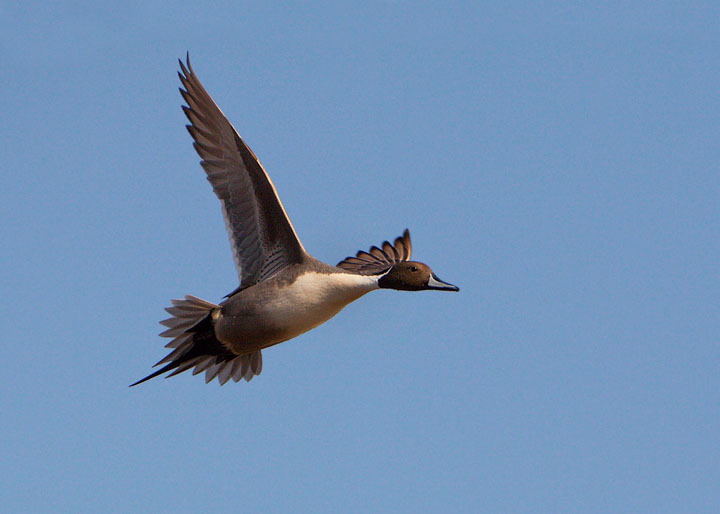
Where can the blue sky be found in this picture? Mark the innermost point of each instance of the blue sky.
(557, 161)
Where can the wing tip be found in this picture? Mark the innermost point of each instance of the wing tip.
(183, 64)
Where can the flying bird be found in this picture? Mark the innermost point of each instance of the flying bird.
(283, 291)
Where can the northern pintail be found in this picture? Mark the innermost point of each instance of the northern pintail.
(283, 291)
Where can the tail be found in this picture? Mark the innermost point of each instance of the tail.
(195, 345)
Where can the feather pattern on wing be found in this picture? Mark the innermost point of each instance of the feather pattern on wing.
(262, 237)
(378, 260)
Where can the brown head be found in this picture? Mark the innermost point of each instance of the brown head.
(413, 276)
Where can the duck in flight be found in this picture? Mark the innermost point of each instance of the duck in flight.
(283, 291)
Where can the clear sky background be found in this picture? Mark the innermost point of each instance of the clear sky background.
(559, 161)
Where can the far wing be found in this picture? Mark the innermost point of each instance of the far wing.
(379, 260)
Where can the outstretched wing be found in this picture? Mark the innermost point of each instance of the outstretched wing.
(379, 260)
(262, 238)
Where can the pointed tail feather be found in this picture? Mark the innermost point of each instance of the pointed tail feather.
(195, 345)
(153, 375)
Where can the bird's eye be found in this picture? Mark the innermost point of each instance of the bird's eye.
(413, 268)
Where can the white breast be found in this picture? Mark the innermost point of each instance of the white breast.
(314, 298)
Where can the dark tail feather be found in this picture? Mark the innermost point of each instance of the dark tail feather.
(153, 375)
(193, 335)
(195, 345)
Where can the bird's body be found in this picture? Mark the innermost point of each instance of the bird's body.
(287, 306)
(284, 291)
